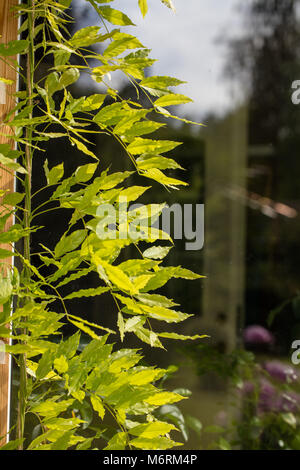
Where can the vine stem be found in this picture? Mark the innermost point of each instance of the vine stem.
(27, 214)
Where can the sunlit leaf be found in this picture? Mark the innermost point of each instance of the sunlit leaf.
(115, 16)
(143, 6)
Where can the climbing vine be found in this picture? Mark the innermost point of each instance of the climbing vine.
(59, 376)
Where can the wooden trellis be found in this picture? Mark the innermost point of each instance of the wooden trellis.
(8, 32)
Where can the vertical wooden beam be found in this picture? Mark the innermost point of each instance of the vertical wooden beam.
(225, 222)
(8, 32)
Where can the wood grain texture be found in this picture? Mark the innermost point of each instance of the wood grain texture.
(8, 32)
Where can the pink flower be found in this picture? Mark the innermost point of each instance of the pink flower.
(280, 371)
(257, 334)
(268, 399)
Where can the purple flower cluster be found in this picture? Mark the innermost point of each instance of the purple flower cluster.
(280, 371)
(269, 397)
(256, 334)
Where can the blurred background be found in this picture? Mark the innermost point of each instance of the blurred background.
(239, 59)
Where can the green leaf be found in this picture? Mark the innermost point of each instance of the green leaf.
(115, 16)
(165, 314)
(69, 347)
(169, 4)
(181, 337)
(144, 212)
(160, 82)
(94, 325)
(75, 276)
(68, 77)
(13, 48)
(148, 337)
(145, 376)
(13, 445)
(93, 102)
(163, 398)
(12, 199)
(96, 352)
(5, 253)
(224, 444)
(194, 424)
(157, 252)
(6, 80)
(55, 174)
(111, 114)
(173, 413)
(118, 277)
(98, 405)
(158, 443)
(184, 273)
(61, 364)
(140, 145)
(13, 234)
(172, 99)
(164, 274)
(110, 181)
(156, 300)
(69, 242)
(45, 365)
(63, 424)
(52, 83)
(61, 57)
(121, 43)
(134, 267)
(148, 161)
(161, 178)
(50, 409)
(142, 128)
(85, 37)
(152, 430)
(131, 117)
(86, 329)
(87, 293)
(121, 325)
(133, 192)
(86, 444)
(63, 442)
(83, 148)
(8, 163)
(143, 7)
(77, 373)
(132, 324)
(6, 290)
(117, 442)
(85, 172)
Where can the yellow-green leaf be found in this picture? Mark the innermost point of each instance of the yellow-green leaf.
(118, 277)
(121, 43)
(152, 430)
(160, 177)
(115, 16)
(172, 99)
(140, 145)
(163, 398)
(61, 364)
(83, 148)
(158, 443)
(98, 405)
(143, 7)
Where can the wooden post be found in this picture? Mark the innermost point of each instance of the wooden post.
(8, 32)
(225, 222)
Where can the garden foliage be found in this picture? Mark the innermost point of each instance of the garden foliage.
(59, 378)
